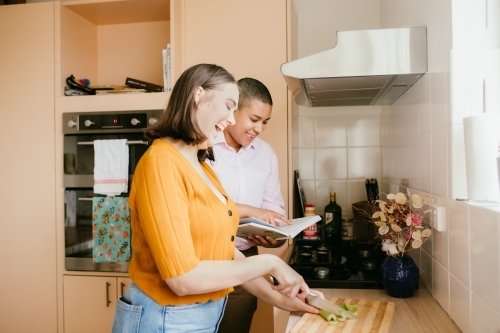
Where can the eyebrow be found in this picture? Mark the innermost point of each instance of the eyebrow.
(254, 115)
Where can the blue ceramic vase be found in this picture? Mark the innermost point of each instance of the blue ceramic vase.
(400, 276)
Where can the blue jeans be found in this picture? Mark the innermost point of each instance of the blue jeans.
(137, 313)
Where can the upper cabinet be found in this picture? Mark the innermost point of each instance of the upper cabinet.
(106, 42)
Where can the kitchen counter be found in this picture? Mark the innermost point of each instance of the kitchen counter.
(418, 314)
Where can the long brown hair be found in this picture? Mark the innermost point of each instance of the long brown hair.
(179, 121)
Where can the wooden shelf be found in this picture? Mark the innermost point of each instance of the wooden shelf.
(108, 12)
(92, 103)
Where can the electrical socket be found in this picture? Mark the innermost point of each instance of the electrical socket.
(438, 218)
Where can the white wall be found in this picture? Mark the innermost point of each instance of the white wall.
(335, 149)
(422, 141)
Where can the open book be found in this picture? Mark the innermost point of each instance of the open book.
(254, 226)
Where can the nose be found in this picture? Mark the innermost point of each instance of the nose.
(231, 119)
(259, 127)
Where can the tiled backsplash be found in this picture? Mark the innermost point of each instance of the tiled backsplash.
(337, 150)
(461, 265)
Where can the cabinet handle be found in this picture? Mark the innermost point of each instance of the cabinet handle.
(107, 294)
(122, 285)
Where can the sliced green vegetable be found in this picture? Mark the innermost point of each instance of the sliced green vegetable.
(328, 315)
(342, 316)
(333, 323)
(351, 308)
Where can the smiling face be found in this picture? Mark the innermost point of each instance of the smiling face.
(251, 120)
(215, 110)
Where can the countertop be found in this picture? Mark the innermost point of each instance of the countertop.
(418, 314)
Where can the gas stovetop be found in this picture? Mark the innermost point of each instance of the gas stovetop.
(350, 265)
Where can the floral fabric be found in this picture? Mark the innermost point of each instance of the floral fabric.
(111, 229)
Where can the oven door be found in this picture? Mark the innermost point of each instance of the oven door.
(78, 242)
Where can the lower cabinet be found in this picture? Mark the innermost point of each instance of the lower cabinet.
(90, 302)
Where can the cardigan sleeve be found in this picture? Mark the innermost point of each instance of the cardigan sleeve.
(162, 204)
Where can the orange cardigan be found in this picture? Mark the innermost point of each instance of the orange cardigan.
(177, 221)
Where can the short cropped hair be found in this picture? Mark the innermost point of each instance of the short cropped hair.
(179, 119)
(252, 89)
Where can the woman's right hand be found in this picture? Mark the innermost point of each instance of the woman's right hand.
(288, 282)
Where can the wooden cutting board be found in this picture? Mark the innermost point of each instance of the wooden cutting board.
(373, 317)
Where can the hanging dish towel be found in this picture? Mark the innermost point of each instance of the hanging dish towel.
(110, 167)
(111, 229)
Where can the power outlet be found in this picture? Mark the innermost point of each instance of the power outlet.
(438, 218)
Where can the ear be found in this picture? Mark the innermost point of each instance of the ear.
(198, 94)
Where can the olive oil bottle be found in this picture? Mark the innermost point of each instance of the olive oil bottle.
(332, 221)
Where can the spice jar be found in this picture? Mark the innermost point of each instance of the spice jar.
(310, 232)
(348, 229)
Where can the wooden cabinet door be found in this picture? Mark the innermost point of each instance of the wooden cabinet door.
(28, 301)
(122, 285)
(248, 38)
(89, 304)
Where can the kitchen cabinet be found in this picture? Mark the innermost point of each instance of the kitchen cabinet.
(27, 177)
(90, 302)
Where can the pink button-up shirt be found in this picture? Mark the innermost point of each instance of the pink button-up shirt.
(249, 176)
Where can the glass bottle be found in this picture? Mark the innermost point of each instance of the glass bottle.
(332, 222)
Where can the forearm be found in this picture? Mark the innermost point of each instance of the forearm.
(210, 276)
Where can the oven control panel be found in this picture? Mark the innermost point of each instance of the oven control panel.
(107, 122)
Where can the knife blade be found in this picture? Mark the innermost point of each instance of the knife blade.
(323, 304)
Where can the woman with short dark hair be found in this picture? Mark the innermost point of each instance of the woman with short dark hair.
(183, 223)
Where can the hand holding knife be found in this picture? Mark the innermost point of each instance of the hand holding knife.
(321, 303)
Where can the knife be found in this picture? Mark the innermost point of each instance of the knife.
(321, 303)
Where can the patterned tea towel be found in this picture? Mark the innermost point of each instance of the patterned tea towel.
(111, 229)
(110, 167)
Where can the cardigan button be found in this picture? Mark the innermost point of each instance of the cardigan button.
(230, 213)
(232, 238)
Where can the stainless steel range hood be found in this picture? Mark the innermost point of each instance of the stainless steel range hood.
(366, 67)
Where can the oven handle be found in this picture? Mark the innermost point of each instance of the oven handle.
(90, 143)
(85, 199)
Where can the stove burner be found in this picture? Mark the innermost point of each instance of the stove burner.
(343, 265)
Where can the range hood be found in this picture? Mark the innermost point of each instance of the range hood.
(366, 67)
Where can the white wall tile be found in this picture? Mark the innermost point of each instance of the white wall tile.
(357, 191)
(439, 99)
(330, 131)
(425, 162)
(331, 163)
(426, 269)
(363, 162)
(483, 317)
(306, 163)
(440, 246)
(306, 131)
(458, 172)
(441, 285)
(422, 91)
(364, 131)
(309, 187)
(457, 215)
(440, 161)
(460, 304)
(485, 261)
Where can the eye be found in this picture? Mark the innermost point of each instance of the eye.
(254, 120)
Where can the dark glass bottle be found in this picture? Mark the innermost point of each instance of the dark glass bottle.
(332, 221)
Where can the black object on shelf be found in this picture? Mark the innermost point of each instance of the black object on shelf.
(149, 87)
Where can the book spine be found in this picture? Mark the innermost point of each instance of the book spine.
(150, 87)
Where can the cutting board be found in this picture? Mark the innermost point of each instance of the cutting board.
(373, 317)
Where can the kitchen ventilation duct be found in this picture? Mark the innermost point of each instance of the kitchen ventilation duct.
(366, 67)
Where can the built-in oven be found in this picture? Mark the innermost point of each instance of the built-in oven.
(80, 131)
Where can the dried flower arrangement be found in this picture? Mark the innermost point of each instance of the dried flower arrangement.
(400, 222)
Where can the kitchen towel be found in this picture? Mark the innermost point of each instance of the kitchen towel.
(110, 167)
(111, 229)
(481, 139)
